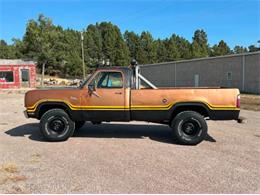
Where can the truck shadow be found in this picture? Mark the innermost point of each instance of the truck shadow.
(160, 133)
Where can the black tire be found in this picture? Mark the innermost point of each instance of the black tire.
(56, 125)
(96, 122)
(189, 128)
(79, 124)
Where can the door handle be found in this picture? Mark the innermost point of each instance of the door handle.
(118, 93)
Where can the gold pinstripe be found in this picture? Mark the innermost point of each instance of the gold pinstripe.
(133, 107)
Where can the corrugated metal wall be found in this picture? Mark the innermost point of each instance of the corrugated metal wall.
(240, 71)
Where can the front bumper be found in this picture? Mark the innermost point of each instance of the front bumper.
(25, 114)
(29, 114)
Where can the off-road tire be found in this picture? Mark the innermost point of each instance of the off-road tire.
(189, 128)
(56, 125)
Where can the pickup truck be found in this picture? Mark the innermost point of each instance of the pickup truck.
(117, 94)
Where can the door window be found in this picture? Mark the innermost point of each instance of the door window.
(108, 80)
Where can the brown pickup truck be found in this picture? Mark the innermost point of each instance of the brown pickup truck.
(121, 94)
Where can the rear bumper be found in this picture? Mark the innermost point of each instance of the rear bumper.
(224, 114)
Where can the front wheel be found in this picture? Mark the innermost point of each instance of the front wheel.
(189, 128)
(56, 125)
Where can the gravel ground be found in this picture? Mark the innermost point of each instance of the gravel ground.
(126, 157)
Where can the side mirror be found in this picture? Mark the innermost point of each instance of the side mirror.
(91, 88)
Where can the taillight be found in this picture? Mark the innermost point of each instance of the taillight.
(238, 101)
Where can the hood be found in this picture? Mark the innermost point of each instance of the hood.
(57, 88)
(60, 93)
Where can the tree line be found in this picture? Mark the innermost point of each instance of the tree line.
(60, 49)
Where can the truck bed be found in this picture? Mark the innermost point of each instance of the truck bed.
(219, 103)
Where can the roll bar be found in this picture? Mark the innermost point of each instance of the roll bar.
(138, 77)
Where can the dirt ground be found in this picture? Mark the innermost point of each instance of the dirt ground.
(126, 158)
(250, 102)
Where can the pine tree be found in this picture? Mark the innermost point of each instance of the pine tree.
(133, 43)
(148, 48)
(184, 48)
(122, 54)
(253, 48)
(220, 49)
(161, 51)
(72, 51)
(108, 40)
(7, 51)
(172, 49)
(239, 49)
(41, 43)
(93, 45)
(61, 48)
(199, 45)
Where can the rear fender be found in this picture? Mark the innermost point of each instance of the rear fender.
(199, 107)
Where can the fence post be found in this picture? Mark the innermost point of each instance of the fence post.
(175, 69)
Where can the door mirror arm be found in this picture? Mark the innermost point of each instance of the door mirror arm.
(91, 88)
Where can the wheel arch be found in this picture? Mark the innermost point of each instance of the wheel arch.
(45, 106)
(199, 107)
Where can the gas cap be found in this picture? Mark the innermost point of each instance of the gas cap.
(164, 100)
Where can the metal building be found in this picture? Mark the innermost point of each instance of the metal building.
(239, 70)
(17, 74)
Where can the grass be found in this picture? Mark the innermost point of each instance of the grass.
(8, 172)
(9, 168)
(250, 102)
(35, 158)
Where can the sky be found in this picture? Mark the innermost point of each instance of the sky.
(235, 21)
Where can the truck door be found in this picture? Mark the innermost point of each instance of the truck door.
(105, 99)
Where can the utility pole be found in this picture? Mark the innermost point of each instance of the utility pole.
(43, 71)
(82, 53)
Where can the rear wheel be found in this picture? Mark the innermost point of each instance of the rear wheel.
(56, 125)
(189, 128)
